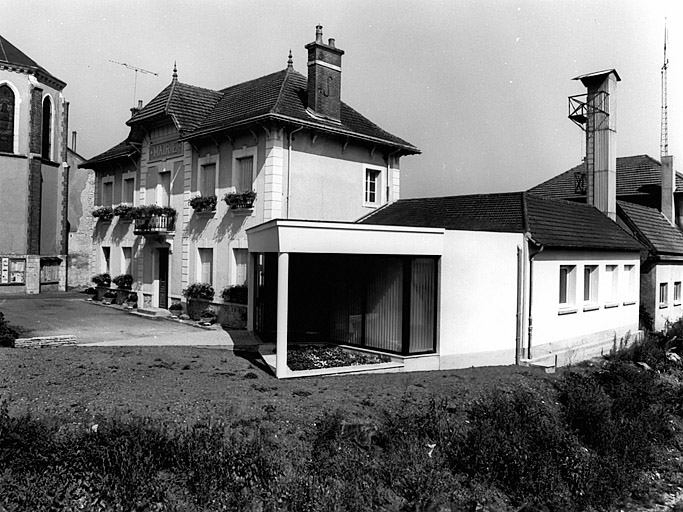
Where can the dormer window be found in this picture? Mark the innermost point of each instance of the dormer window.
(7, 102)
(46, 147)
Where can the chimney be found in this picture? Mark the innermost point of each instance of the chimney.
(668, 206)
(596, 111)
(324, 77)
(137, 109)
(73, 141)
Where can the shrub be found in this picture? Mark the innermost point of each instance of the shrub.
(8, 335)
(103, 213)
(101, 279)
(199, 291)
(124, 281)
(203, 203)
(176, 306)
(238, 294)
(518, 443)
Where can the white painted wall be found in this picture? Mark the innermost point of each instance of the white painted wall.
(671, 311)
(478, 298)
(552, 323)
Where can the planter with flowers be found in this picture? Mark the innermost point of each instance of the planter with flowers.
(240, 200)
(124, 212)
(199, 297)
(204, 204)
(103, 213)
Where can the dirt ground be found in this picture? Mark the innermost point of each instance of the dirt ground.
(186, 384)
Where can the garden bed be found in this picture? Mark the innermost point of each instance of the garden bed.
(314, 357)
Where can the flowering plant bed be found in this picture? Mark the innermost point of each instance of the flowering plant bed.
(312, 357)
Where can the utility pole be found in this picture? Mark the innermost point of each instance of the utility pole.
(136, 69)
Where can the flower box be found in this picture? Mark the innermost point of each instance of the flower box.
(243, 200)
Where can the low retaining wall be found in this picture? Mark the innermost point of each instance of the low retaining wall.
(228, 314)
(45, 341)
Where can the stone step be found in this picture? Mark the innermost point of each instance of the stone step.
(153, 312)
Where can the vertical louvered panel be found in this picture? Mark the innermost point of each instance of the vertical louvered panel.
(383, 321)
(422, 305)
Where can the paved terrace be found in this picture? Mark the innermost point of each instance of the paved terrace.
(69, 317)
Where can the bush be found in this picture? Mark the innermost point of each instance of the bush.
(101, 279)
(519, 443)
(7, 334)
(124, 281)
(199, 291)
(239, 294)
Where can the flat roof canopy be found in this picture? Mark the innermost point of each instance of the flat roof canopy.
(300, 236)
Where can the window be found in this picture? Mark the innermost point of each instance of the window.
(7, 105)
(663, 294)
(590, 284)
(207, 180)
(632, 283)
(241, 261)
(567, 286)
(372, 186)
(126, 260)
(164, 188)
(107, 192)
(205, 266)
(46, 148)
(106, 259)
(677, 293)
(245, 175)
(611, 284)
(128, 191)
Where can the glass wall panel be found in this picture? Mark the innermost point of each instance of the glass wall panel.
(422, 305)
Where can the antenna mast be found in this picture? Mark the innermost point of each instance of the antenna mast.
(664, 137)
(128, 66)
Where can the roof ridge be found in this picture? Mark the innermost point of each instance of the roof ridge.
(280, 94)
(225, 89)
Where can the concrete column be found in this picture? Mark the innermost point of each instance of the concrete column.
(282, 311)
(273, 171)
(251, 290)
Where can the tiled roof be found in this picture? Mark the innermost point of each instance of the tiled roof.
(550, 222)
(652, 228)
(636, 175)
(11, 56)
(278, 96)
(186, 104)
(121, 150)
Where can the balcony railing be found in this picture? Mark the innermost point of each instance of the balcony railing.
(156, 224)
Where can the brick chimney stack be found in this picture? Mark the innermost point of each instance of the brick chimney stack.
(324, 77)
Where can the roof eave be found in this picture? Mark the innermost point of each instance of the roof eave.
(407, 148)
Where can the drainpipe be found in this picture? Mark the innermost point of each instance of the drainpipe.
(532, 252)
(289, 166)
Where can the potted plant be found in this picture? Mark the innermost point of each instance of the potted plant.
(102, 283)
(237, 294)
(124, 282)
(199, 297)
(131, 300)
(124, 211)
(203, 203)
(237, 200)
(103, 213)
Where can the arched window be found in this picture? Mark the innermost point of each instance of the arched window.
(47, 128)
(6, 119)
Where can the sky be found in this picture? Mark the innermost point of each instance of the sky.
(480, 87)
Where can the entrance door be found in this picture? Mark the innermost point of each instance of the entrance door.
(162, 255)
